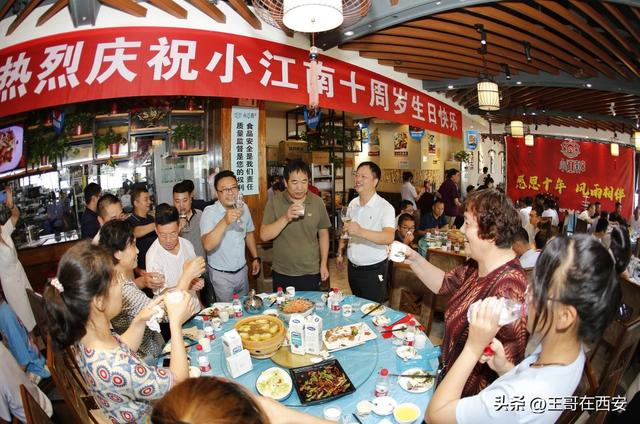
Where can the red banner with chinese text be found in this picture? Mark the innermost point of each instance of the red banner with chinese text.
(575, 171)
(149, 61)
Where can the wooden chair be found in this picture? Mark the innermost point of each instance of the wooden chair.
(32, 409)
(36, 301)
(581, 226)
(73, 393)
(409, 294)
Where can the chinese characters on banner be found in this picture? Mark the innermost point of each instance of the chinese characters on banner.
(575, 171)
(153, 61)
(244, 148)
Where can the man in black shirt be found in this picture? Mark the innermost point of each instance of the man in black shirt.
(616, 215)
(144, 228)
(89, 225)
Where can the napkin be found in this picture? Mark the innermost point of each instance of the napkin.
(153, 321)
(402, 320)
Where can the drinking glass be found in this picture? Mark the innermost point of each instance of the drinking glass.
(346, 218)
(239, 204)
(186, 228)
(159, 278)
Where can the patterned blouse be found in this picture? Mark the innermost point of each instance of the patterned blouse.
(123, 385)
(133, 301)
(465, 287)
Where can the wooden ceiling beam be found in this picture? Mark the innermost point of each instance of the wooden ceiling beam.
(576, 21)
(494, 39)
(443, 64)
(170, 7)
(424, 37)
(615, 11)
(429, 76)
(584, 96)
(546, 47)
(127, 6)
(243, 10)
(432, 56)
(210, 10)
(5, 9)
(52, 11)
(450, 72)
(23, 15)
(603, 22)
(465, 95)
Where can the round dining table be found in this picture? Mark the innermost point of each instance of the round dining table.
(361, 363)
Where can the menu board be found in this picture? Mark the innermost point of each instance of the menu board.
(244, 148)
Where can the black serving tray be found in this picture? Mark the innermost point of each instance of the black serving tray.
(301, 373)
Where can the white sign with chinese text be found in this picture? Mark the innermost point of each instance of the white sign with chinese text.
(244, 148)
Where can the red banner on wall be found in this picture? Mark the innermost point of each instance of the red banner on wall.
(147, 61)
(575, 171)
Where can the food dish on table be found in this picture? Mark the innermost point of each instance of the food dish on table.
(407, 352)
(258, 330)
(261, 335)
(418, 384)
(321, 382)
(406, 413)
(274, 383)
(211, 312)
(384, 405)
(381, 320)
(368, 307)
(346, 336)
(296, 306)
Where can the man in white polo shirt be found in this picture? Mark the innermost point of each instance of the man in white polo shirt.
(226, 231)
(370, 231)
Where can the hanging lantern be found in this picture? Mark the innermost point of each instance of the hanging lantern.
(529, 140)
(615, 149)
(312, 15)
(488, 95)
(636, 139)
(517, 129)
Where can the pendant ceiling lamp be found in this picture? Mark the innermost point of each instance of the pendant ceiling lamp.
(636, 139)
(517, 129)
(529, 140)
(615, 149)
(311, 15)
(488, 96)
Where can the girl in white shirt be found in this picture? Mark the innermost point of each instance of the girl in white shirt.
(572, 299)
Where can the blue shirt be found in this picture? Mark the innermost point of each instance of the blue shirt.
(429, 221)
(229, 254)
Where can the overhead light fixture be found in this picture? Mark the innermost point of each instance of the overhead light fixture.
(636, 139)
(529, 140)
(517, 128)
(615, 149)
(312, 15)
(507, 71)
(527, 50)
(588, 85)
(519, 82)
(579, 116)
(450, 87)
(483, 38)
(488, 95)
(349, 33)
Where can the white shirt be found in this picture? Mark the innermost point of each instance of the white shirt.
(584, 215)
(529, 258)
(408, 192)
(160, 260)
(520, 386)
(524, 216)
(635, 224)
(551, 213)
(481, 178)
(375, 215)
(11, 377)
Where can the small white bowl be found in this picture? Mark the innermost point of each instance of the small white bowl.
(411, 410)
(194, 372)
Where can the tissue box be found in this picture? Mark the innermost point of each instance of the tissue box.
(296, 334)
(231, 343)
(239, 363)
(313, 334)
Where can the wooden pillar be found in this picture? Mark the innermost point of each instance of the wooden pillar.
(256, 203)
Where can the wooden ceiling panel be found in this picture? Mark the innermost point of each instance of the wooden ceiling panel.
(52, 11)
(619, 15)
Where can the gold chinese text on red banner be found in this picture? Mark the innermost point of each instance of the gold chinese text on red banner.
(147, 61)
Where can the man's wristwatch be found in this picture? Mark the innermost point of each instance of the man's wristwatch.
(257, 258)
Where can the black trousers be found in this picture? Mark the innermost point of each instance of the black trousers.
(370, 281)
(308, 282)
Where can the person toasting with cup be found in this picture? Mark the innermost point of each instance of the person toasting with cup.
(298, 223)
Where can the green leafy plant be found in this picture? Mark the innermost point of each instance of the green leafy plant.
(463, 156)
(151, 115)
(44, 143)
(186, 131)
(102, 141)
(73, 120)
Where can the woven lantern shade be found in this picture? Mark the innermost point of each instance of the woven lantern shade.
(488, 95)
(636, 139)
(529, 140)
(517, 129)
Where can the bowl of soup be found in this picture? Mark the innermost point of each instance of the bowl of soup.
(261, 335)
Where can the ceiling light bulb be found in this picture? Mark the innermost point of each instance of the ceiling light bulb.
(519, 82)
(450, 86)
(349, 33)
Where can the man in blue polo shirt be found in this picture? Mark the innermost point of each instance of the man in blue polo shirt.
(225, 231)
(434, 219)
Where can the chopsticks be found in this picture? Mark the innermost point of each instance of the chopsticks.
(356, 417)
(377, 307)
(414, 376)
(392, 330)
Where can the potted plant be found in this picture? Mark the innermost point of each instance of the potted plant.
(45, 146)
(151, 115)
(78, 123)
(111, 140)
(185, 134)
(463, 156)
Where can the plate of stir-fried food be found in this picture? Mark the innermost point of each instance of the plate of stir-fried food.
(321, 382)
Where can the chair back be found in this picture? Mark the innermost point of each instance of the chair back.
(67, 384)
(36, 301)
(32, 409)
(581, 226)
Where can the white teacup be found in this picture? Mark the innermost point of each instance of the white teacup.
(397, 251)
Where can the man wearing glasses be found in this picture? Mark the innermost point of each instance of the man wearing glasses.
(225, 230)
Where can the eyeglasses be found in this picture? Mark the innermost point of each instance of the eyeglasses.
(166, 236)
(228, 190)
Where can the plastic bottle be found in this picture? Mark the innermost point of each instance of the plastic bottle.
(280, 296)
(511, 311)
(337, 298)
(237, 307)
(203, 361)
(382, 383)
(330, 300)
(410, 333)
(208, 331)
